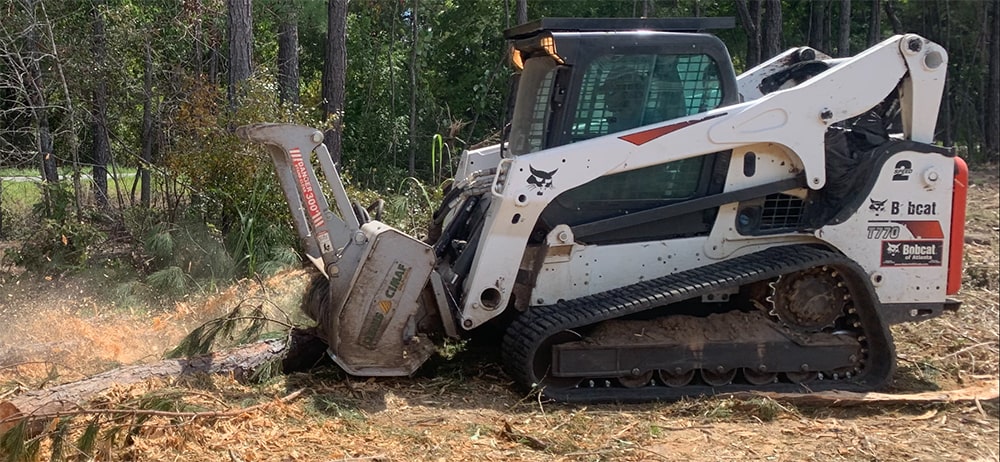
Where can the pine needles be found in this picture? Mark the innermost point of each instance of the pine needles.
(243, 324)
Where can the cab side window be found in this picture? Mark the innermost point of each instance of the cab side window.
(621, 92)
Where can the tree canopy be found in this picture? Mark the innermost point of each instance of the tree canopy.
(157, 85)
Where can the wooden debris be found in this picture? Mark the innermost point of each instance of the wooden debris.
(53, 401)
(983, 391)
(527, 440)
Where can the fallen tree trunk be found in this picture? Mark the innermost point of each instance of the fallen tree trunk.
(42, 405)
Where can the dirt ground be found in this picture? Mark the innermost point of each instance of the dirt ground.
(55, 331)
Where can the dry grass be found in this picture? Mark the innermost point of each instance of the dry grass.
(467, 409)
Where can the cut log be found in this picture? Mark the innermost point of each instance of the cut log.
(41, 405)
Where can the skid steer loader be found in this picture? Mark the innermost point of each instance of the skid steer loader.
(655, 226)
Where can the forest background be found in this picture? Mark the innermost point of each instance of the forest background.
(116, 116)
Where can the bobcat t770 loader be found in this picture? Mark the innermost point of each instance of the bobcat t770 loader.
(654, 226)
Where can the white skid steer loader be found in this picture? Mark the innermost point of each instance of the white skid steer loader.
(655, 226)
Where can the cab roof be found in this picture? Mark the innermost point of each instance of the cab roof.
(536, 27)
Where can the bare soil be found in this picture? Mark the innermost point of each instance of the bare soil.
(466, 408)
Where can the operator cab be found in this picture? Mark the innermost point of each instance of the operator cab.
(585, 78)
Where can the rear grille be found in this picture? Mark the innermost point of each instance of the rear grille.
(781, 212)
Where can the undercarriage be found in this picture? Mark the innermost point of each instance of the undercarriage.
(645, 342)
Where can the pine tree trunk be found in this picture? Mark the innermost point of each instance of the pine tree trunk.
(875, 23)
(771, 29)
(335, 76)
(36, 98)
(817, 13)
(749, 13)
(146, 155)
(992, 138)
(844, 46)
(890, 12)
(240, 35)
(288, 54)
(99, 127)
(198, 52)
(522, 11)
(43, 405)
(412, 164)
(828, 27)
(948, 124)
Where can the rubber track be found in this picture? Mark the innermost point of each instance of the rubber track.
(530, 329)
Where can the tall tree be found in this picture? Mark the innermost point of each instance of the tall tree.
(148, 127)
(414, 28)
(99, 125)
(890, 12)
(749, 12)
(288, 53)
(771, 29)
(817, 16)
(335, 76)
(992, 138)
(828, 27)
(844, 45)
(522, 11)
(240, 35)
(36, 96)
(875, 23)
(193, 10)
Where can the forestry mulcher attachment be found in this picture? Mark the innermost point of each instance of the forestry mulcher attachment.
(655, 226)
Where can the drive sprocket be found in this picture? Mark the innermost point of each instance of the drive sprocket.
(810, 300)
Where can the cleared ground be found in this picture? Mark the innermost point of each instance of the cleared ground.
(466, 408)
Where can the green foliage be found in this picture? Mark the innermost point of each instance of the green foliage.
(17, 446)
(411, 207)
(243, 324)
(170, 280)
(236, 189)
(221, 213)
(174, 255)
(60, 242)
(88, 440)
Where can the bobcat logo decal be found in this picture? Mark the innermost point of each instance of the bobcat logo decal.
(891, 249)
(540, 179)
(877, 206)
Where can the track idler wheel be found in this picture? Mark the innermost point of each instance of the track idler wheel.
(718, 377)
(801, 377)
(676, 378)
(757, 377)
(636, 380)
(543, 362)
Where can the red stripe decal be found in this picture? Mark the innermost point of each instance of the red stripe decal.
(924, 229)
(641, 138)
